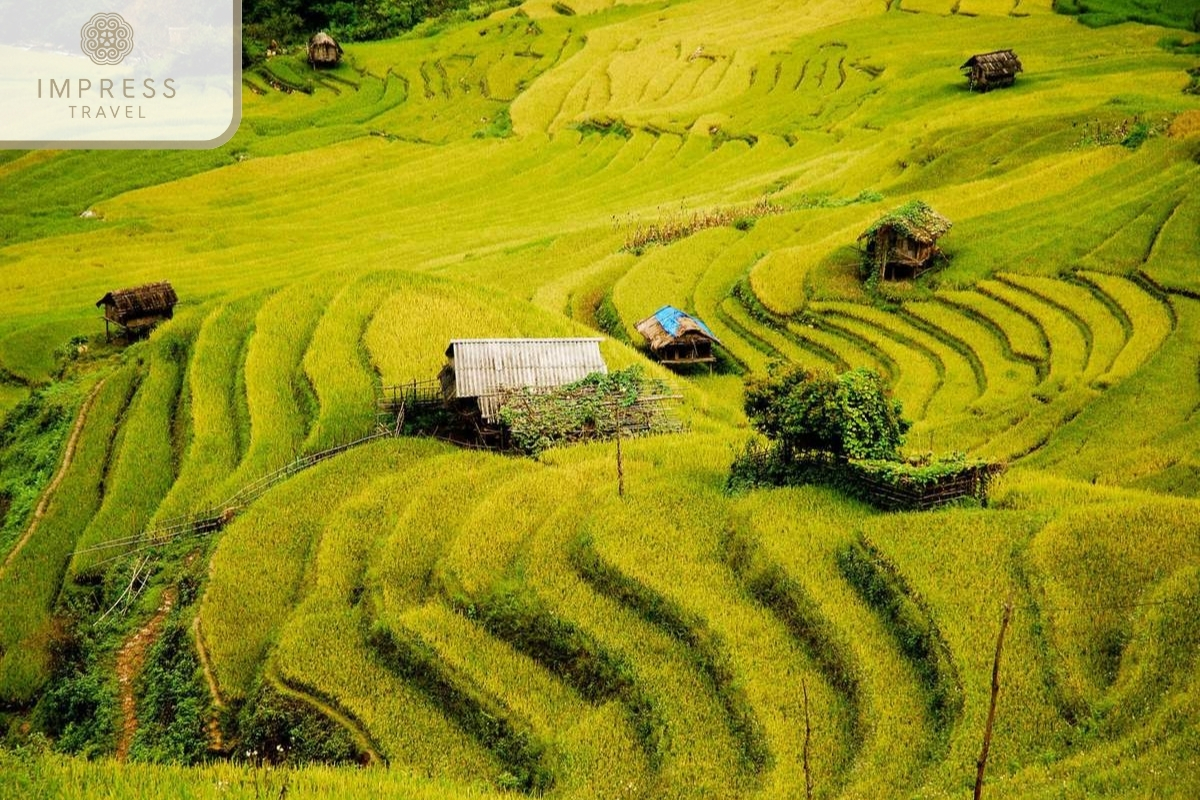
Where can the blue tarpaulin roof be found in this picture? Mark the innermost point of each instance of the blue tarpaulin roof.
(670, 316)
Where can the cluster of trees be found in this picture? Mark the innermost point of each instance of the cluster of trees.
(851, 415)
(847, 431)
(291, 21)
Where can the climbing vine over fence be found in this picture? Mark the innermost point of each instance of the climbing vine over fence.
(622, 403)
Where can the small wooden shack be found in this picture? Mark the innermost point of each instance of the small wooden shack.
(137, 310)
(986, 71)
(323, 50)
(478, 372)
(903, 242)
(676, 337)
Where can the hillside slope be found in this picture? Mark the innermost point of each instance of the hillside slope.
(484, 623)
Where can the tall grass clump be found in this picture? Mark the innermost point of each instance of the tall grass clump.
(32, 438)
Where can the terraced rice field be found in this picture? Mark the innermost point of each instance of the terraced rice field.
(484, 624)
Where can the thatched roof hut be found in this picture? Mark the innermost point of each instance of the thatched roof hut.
(140, 308)
(903, 242)
(323, 51)
(482, 370)
(986, 71)
(676, 337)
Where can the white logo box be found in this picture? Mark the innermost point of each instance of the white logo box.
(119, 73)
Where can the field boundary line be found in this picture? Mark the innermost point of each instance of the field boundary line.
(329, 709)
(216, 741)
(1085, 330)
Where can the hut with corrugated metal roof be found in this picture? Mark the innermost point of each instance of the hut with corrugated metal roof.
(138, 309)
(676, 337)
(479, 372)
(987, 71)
(323, 50)
(903, 242)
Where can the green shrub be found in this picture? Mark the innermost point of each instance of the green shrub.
(500, 127)
(282, 729)
(31, 439)
(851, 415)
(172, 701)
(78, 709)
(1138, 134)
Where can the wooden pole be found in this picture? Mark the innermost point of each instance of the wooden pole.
(620, 456)
(808, 783)
(981, 763)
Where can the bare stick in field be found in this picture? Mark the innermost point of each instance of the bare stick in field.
(981, 763)
(620, 456)
(808, 783)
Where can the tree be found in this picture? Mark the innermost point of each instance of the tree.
(851, 415)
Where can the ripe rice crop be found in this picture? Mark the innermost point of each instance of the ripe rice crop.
(144, 455)
(484, 622)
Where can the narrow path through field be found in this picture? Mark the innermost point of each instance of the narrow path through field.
(216, 741)
(129, 664)
(68, 456)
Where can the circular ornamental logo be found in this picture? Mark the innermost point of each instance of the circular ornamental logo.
(106, 38)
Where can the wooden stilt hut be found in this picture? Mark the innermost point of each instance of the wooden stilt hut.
(903, 242)
(987, 71)
(323, 51)
(138, 309)
(676, 337)
(480, 373)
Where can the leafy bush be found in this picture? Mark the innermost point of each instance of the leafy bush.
(283, 729)
(31, 439)
(78, 710)
(173, 701)
(851, 415)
